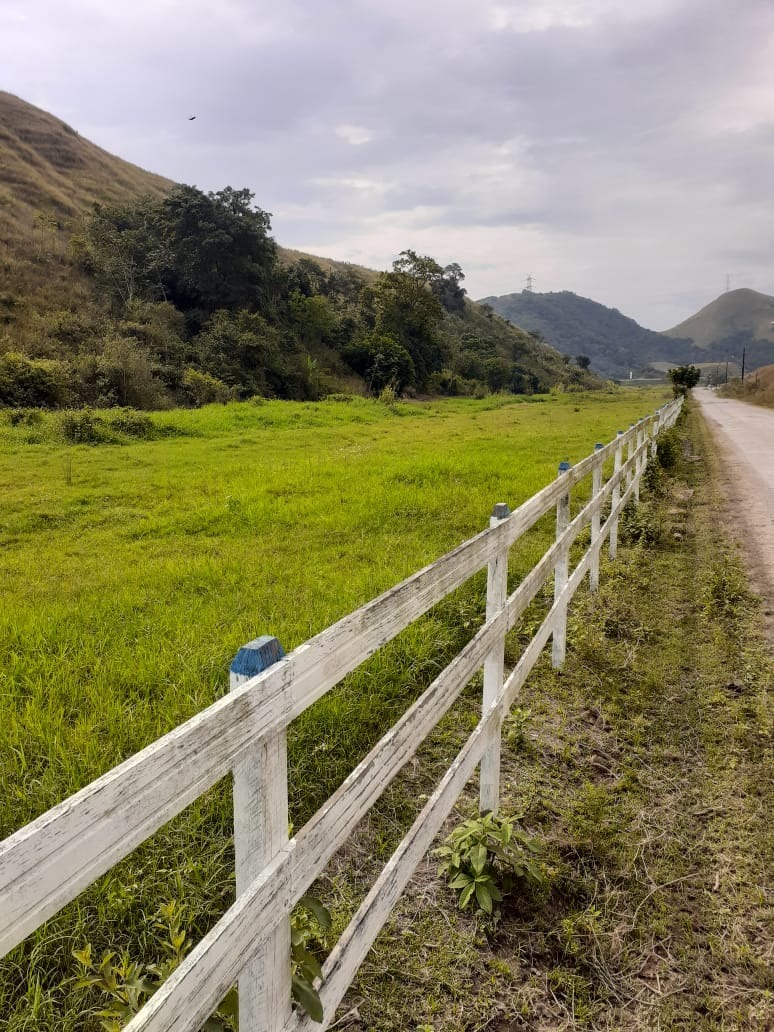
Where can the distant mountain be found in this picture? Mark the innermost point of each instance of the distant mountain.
(738, 319)
(577, 325)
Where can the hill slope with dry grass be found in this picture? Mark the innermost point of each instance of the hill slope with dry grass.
(736, 312)
(49, 177)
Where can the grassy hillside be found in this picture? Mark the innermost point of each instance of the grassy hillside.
(577, 325)
(735, 312)
(757, 387)
(167, 557)
(50, 176)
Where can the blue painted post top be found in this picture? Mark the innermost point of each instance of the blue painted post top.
(620, 433)
(564, 467)
(256, 656)
(598, 446)
(501, 511)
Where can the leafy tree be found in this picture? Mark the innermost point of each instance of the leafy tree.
(403, 307)
(684, 378)
(381, 361)
(582, 361)
(123, 250)
(219, 252)
(243, 350)
(312, 316)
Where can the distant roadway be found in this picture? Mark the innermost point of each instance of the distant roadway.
(745, 434)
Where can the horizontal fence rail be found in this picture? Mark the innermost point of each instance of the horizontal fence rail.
(49, 862)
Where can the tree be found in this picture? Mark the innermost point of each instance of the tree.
(582, 361)
(381, 361)
(402, 306)
(684, 378)
(122, 249)
(219, 252)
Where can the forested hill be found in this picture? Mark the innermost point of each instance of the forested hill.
(122, 288)
(615, 344)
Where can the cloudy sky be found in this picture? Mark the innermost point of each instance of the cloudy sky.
(622, 149)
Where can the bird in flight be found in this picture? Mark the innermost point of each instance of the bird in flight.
(191, 118)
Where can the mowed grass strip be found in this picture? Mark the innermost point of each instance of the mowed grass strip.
(132, 573)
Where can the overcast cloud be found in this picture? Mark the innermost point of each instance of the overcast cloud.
(622, 149)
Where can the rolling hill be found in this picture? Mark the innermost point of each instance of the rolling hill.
(51, 309)
(737, 320)
(49, 176)
(575, 325)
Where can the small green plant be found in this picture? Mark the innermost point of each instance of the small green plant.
(125, 986)
(639, 524)
(516, 725)
(485, 857)
(308, 920)
(387, 396)
(726, 589)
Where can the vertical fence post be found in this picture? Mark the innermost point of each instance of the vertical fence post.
(639, 462)
(655, 429)
(629, 453)
(260, 831)
(561, 574)
(496, 594)
(596, 521)
(616, 497)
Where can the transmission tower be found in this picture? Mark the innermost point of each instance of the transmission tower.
(530, 284)
(728, 281)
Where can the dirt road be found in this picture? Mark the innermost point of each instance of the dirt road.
(745, 434)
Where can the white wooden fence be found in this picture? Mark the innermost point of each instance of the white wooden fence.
(47, 863)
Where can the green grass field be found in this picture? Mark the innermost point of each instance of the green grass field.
(134, 570)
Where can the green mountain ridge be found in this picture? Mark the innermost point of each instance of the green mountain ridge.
(737, 321)
(575, 325)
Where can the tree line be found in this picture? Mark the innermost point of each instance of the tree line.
(198, 306)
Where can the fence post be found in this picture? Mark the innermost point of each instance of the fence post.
(260, 831)
(629, 453)
(561, 574)
(496, 594)
(656, 428)
(639, 463)
(596, 521)
(616, 497)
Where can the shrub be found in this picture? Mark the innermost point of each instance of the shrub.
(33, 383)
(24, 417)
(668, 450)
(204, 389)
(485, 857)
(132, 423)
(82, 426)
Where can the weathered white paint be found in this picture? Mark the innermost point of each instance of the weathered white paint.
(616, 493)
(496, 592)
(596, 487)
(48, 862)
(260, 832)
(561, 571)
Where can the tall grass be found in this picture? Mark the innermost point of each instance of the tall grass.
(132, 573)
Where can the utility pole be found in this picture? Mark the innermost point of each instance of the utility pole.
(744, 352)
